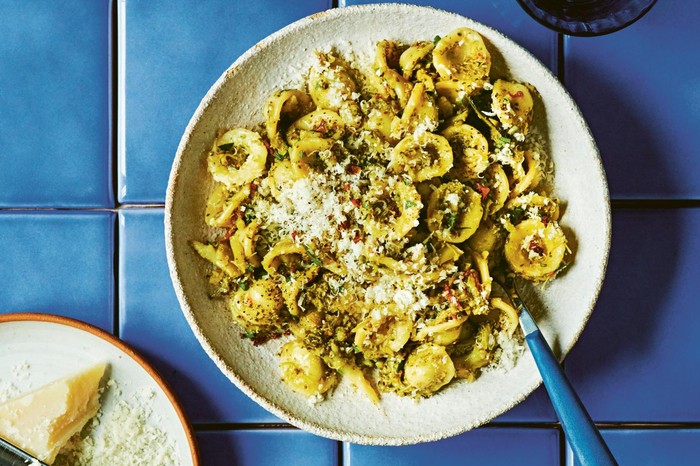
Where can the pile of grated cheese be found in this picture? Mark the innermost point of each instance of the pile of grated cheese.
(126, 435)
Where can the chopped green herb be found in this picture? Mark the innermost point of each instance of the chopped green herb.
(249, 335)
(243, 286)
(504, 140)
(410, 204)
(249, 215)
(250, 268)
(436, 39)
(516, 215)
(313, 257)
(279, 156)
(450, 220)
(356, 349)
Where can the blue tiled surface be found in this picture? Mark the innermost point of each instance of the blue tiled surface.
(485, 446)
(271, 447)
(640, 92)
(637, 358)
(58, 263)
(535, 408)
(55, 117)
(175, 51)
(638, 88)
(151, 320)
(653, 447)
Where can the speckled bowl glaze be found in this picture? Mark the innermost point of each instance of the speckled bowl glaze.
(562, 307)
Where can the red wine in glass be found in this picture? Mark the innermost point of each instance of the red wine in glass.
(586, 17)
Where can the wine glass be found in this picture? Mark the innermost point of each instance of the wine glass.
(586, 17)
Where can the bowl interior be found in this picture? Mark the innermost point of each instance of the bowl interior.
(562, 307)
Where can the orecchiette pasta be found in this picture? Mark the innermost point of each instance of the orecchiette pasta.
(238, 157)
(370, 218)
(422, 157)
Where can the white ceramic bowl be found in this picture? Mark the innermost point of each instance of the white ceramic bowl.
(237, 98)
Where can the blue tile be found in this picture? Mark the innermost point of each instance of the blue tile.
(58, 263)
(175, 51)
(653, 447)
(638, 89)
(487, 446)
(269, 447)
(535, 408)
(55, 99)
(503, 15)
(637, 358)
(151, 321)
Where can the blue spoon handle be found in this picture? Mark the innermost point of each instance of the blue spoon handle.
(583, 437)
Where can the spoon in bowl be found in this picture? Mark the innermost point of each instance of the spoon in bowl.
(583, 436)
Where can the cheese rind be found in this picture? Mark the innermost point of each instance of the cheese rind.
(42, 421)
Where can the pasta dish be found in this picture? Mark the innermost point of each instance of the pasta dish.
(365, 220)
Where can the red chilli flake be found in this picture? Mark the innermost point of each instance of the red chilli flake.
(346, 186)
(344, 225)
(475, 276)
(228, 234)
(356, 202)
(451, 297)
(517, 95)
(260, 338)
(536, 248)
(357, 237)
(295, 235)
(483, 190)
(270, 150)
(352, 169)
(545, 220)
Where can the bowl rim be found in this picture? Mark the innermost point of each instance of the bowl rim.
(186, 306)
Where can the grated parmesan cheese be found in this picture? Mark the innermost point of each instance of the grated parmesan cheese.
(126, 435)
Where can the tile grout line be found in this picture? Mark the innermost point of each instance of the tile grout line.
(114, 96)
(117, 276)
(120, 93)
(114, 99)
(562, 447)
(236, 426)
(615, 204)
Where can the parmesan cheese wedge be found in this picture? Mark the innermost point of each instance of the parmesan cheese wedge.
(42, 421)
